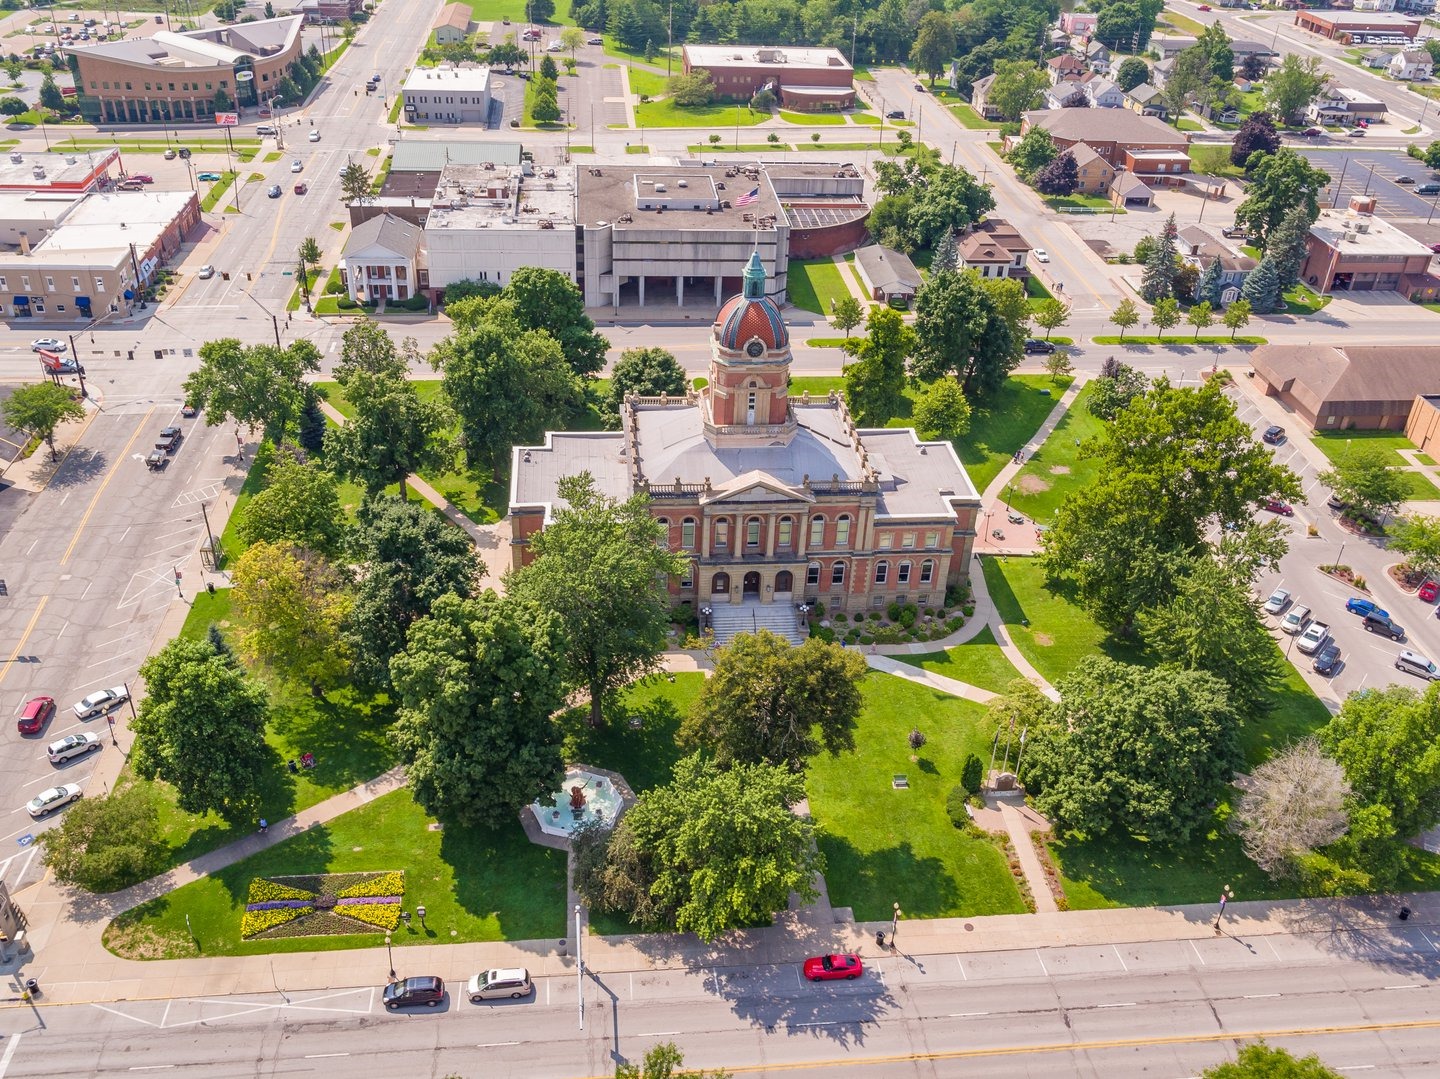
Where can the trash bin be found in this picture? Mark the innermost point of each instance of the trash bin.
(32, 986)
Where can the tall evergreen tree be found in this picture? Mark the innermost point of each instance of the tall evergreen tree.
(1262, 288)
(1286, 246)
(947, 254)
(1209, 287)
(1158, 280)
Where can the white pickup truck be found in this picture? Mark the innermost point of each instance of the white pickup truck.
(1314, 636)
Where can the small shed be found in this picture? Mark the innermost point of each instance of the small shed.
(889, 275)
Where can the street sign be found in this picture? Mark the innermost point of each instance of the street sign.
(227, 119)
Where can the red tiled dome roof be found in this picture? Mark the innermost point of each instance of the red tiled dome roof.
(743, 318)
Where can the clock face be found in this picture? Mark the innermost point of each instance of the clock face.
(755, 349)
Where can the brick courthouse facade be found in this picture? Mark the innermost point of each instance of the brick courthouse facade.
(775, 499)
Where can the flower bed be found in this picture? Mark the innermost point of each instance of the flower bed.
(327, 904)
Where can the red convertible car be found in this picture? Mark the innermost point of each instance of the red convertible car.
(824, 968)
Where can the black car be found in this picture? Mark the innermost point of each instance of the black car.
(409, 992)
(1404, 179)
(1327, 660)
(1273, 435)
(1036, 345)
(895, 114)
(1377, 623)
(169, 440)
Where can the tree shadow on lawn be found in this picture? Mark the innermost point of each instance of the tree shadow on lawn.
(346, 731)
(502, 877)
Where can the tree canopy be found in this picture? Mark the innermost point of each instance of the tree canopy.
(875, 377)
(198, 697)
(960, 331)
(479, 684)
(1366, 476)
(645, 372)
(1388, 742)
(548, 300)
(771, 701)
(392, 434)
(602, 566)
(259, 387)
(39, 408)
(1134, 749)
(105, 844)
(300, 504)
(1278, 183)
(293, 603)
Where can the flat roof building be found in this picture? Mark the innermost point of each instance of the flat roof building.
(83, 257)
(179, 76)
(448, 94)
(1353, 250)
(810, 80)
(72, 173)
(1357, 27)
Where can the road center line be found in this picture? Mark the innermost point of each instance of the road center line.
(121, 460)
(482, 1045)
(24, 637)
(326, 1056)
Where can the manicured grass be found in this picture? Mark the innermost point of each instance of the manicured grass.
(1177, 337)
(668, 114)
(1055, 471)
(1185, 124)
(614, 48)
(978, 661)
(732, 148)
(217, 191)
(1182, 23)
(395, 107)
(1333, 445)
(637, 149)
(1302, 300)
(646, 755)
(1080, 202)
(298, 297)
(230, 541)
(825, 342)
(1001, 425)
(971, 119)
(648, 83)
(272, 157)
(884, 846)
(812, 284)
(476, 885)
(812, 119)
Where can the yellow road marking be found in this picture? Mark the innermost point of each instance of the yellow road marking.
(23, 638)
(124, 456)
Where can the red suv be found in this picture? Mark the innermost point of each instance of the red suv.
(37, 713)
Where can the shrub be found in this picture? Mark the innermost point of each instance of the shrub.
(955, 807)
(345, 303)
(819, 611)
(865, 638)
(972, 773)
(841, 619)
(418, 302)
(954, 623)
(824, 633)
(874, 616)
(892, 612)
(908, 614)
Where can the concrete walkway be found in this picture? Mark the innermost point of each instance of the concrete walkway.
(1018, 827)
(910, 673)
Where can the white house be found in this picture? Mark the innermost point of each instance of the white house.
(1411, 64)
(381, 260)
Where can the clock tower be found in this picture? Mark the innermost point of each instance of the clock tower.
(748, 402)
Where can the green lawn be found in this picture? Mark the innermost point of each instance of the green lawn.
(614, 48)
(812, 284)
(646, 755)
(813, 119)
(1334, 443)
(498, 10)
(648, 83)
(734, 148)
(1186, 124)
(1080, 202)
(217, 191)
(884, 846)
(1177, 336)
(476, 885)
(1054, 471)
(668, 114)
(1001, 425)
(1302, 300)
(971, 119)
(978, 661)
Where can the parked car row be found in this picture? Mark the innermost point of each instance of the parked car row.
(1314, 639)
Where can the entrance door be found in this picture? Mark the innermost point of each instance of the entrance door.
(784, 581)
(752, 584)
(720, 584)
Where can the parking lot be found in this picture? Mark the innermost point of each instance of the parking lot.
(1356, 171)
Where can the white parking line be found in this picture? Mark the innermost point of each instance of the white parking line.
(1120, 957)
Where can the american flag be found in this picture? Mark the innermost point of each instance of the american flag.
(753, 196)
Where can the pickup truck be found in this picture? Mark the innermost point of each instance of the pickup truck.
(1316, 633)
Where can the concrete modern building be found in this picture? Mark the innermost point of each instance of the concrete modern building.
(83, 257)
(383, 260)
(808, 80)
(452, 25)
(1358, 28)
(486, 223)
(889, 276)
(187, 76)
(774, 501)
(448, 94)
(1354, 250)
(60, 174)
(1334, 388)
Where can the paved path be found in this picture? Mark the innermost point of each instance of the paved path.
(1018, 828)
(952, 686)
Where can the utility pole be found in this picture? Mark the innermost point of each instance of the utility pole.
(669, 38)
(79, 367)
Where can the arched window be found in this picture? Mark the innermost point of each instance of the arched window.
(882, 572)
(664, 523)
(786, 533)
(837, 573)
(812, 574)
(842, 531)
(927, 571)
(687, 533)
(817, 531)
(902, 575)
(752, 533)
(722, 534)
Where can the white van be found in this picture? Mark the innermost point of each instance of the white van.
(1414, 663)
(513, 982)
(264, 129)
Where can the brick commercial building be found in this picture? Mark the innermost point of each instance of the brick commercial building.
(1335, 388)
(774, 501)
(1111, 133)
(1360, 28)
(1356, 251)
(81, 257)
(175, 77)
(810, 80)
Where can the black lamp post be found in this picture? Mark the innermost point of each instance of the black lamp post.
(390, 954)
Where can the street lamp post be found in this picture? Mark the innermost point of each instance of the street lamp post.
(1225, 896)
(390, 954)
(579, 968)
(79, 367)
(894, 924)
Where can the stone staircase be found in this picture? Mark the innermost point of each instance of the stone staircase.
(779, 618)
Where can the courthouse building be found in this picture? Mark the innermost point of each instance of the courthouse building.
(776, 501)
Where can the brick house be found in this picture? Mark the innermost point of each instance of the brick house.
(775, 502)
(1355, 251)
(1109, 132)
(1094, 171)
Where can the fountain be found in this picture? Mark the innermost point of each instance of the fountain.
(584, 796)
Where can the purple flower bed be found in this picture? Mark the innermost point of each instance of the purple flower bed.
(366, 900)
(280, 904)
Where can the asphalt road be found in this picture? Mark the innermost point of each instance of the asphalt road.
(1365, 1001)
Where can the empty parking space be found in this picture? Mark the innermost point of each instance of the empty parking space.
(1358, 172)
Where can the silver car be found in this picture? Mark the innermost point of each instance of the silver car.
(72, 746)
(1277, 601)
(47, 802)
(101, 701)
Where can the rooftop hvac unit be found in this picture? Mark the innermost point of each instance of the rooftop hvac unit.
(659, 189)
